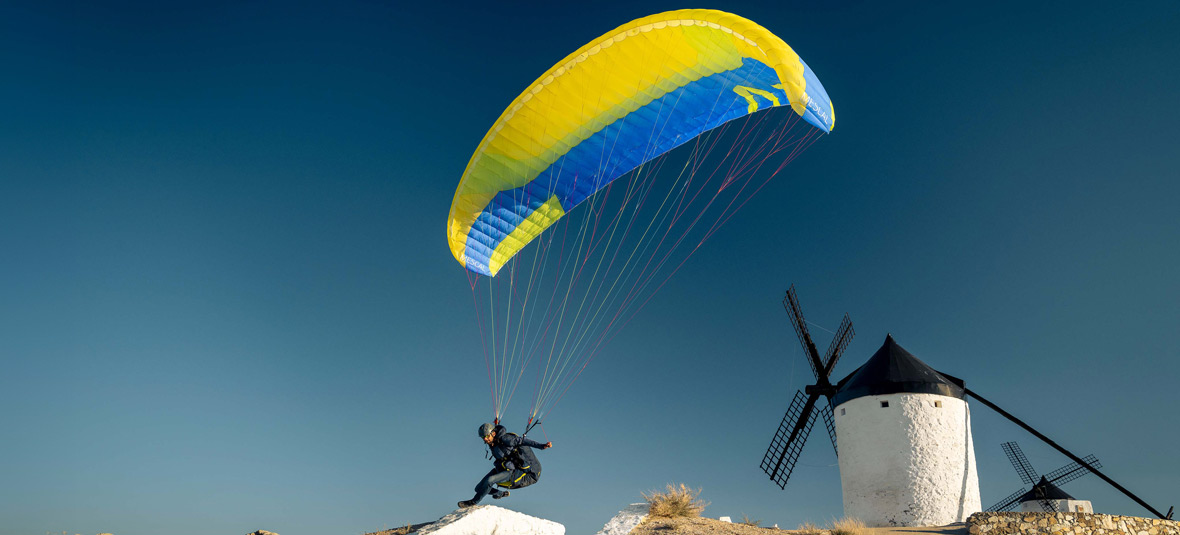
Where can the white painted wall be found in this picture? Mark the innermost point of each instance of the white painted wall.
(909, 464)
(1065, 506)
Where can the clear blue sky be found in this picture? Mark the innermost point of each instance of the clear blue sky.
(227, 302)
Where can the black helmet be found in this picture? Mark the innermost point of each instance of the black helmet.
(486, 429)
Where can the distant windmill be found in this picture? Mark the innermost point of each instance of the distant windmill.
(792, 432)
(1046, 489)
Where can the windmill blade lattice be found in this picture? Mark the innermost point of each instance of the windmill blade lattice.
(1072, 471)
(1020, 462)
(843, 336)
(791, 304)
(830, 424)
(1007, 504)
(784, 450)
(1047, 504)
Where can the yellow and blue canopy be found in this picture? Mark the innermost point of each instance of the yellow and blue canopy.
(625, 98)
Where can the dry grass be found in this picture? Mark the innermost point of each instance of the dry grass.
(809, 528)
(747, 521)
(848, 526)
(676, 501)
(700, 526)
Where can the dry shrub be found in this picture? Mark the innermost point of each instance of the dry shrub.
(746, 520)
(676, 501)
(809, 528)
(848, 526)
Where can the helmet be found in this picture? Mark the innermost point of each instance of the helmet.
(485, 430)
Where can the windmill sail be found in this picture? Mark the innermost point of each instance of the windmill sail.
(1020, 462)
(1072, 471)
(788, 441)
(792, 433)
(1046, 490)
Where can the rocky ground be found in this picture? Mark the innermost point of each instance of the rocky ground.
(402, 530)
(708, 526)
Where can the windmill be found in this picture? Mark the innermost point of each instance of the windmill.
(1082, 462)
(1045, 489)
(796, 425)
(872, 412)
(897, 415)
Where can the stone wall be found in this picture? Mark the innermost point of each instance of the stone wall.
(1067, 524)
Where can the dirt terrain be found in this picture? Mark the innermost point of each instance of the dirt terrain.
(708, 526)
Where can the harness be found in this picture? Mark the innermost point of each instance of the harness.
(511, 484)
(519, 456)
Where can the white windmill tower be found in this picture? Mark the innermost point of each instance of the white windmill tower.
(906, 455)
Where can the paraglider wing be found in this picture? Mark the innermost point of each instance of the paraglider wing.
(625, 98)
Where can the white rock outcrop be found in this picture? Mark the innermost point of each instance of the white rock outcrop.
(491, 520)
(626, 520)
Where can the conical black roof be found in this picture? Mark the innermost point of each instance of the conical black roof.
(1044, 490)
(891, 370)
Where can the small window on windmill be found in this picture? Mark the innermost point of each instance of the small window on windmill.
(884, 404)
(938, 404)
(843, 412)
